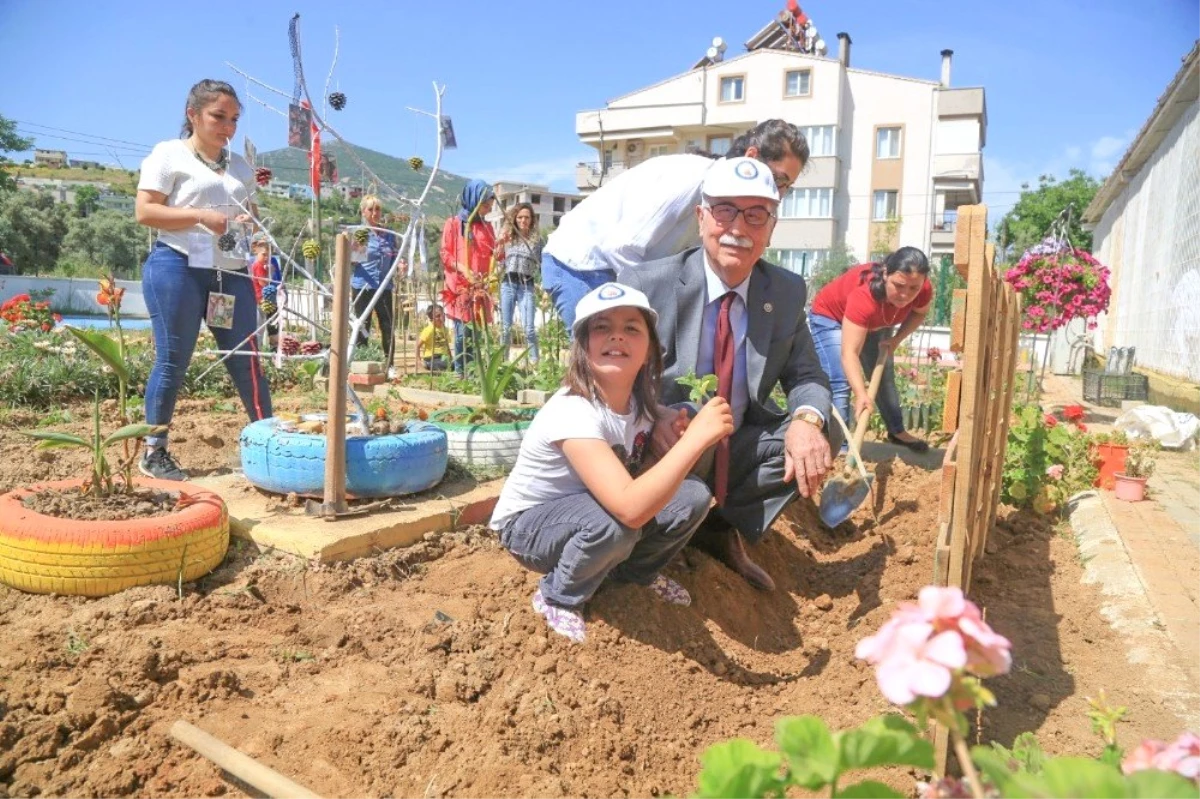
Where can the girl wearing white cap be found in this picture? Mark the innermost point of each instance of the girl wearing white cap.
(581, 505)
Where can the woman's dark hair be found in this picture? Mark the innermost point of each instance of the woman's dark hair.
(580, 383)
(907, 260)
(774, 140)
(202, 95)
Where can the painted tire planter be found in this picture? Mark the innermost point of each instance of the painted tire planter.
(283, 461)
(50, 555)
(484, 445)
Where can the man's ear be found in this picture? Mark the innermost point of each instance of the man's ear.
(752, 151)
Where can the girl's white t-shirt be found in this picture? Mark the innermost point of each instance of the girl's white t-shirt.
(543, 473)
(174, 170)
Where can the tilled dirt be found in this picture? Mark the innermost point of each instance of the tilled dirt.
(424, 671)
(72, 503)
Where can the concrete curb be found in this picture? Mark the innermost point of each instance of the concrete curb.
(1129, 611)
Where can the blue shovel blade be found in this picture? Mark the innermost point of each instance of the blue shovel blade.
(841, 497)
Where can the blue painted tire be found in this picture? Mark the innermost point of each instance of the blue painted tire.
(376, 466)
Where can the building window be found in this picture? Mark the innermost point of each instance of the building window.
(655, 150)
(797, 83)
(535, 199)
(887, 143)
(560, 204)
(719, 145)
(733, 89)
(557, 219)
(575, 202)
(802, 262)
(807, 204)
(885, 206)
(822, 140)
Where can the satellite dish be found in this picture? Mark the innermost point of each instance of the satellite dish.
(718, 43)
(713, 54)
(821, 48)
(812, 31)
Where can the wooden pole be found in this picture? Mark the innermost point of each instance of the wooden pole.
(335, 427)
(242, 767)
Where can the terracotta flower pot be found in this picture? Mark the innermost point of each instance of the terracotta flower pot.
(1130, 489)
(1112, 460)
(48, 554)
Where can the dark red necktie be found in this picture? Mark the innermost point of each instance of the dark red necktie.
(723, 366)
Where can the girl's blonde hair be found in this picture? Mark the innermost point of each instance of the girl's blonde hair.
(369, 201)
(580, 382)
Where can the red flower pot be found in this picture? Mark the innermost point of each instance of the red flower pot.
(1112, 460)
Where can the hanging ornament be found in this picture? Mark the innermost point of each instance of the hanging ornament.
(268, 307)
(290, 344)
(311, 249)
(311, 348)
(415, 162)
(337, 101)
(262, 175)
(362, 235)
(226, 242)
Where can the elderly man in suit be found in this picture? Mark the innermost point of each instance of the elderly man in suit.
(725, 311)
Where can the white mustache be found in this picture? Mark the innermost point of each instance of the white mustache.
(731, 240)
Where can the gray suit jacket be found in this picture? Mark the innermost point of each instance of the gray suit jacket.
(779, 348)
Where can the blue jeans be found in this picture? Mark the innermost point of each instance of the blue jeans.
(177, 297)
(510, 295)
(827, 338)
(567, 286)
(576, 543)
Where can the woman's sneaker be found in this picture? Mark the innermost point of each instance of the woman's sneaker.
(159, 464)
(563, 621)
(670, 591)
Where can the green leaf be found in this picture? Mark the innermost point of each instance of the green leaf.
(739, 768)
(135, 431)
(50, 439)
(994, 766)
(869, 789)
(811, 751)
(884, 741)
(1070, 777)
(1165, 784)
(108, 350)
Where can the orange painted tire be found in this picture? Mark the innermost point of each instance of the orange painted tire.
(50, 555)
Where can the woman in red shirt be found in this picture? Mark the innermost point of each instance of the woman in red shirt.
(468, 243)
(852, 316)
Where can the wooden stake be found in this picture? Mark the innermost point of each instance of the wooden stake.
(335, 426)
(242, 767)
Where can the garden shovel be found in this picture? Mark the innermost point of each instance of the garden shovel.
(842, 495)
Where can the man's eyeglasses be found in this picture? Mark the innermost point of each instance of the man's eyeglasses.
(725, 213)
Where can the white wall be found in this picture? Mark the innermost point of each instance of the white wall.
(957, 136)
(75, 295)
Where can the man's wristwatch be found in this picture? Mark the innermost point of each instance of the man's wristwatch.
(809, 416)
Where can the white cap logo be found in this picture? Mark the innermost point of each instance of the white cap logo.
(746, 170)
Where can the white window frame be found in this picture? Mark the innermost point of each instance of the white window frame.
(823, 134)
(655, 150)
(807, 203)
(888, 142)
(803, 81)
(714, 141)
(730, 82)
(881, 196)
(802, 262)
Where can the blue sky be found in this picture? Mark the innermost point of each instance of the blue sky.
(1069, 82)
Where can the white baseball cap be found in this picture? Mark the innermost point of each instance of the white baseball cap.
(610, 295)
(739, 177)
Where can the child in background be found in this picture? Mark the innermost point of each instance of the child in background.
(433, 347)
(578, 506)
(265, 276)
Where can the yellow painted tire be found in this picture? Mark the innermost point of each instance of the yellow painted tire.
(50, 555)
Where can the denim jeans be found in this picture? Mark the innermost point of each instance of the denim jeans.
(513, 295)
(567, 286)
(464, 347)
(576, 543)
(827, 338)
(177, 297)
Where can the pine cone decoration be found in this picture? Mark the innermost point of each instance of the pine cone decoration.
(337, 101)
(311, 249)
(362, 235)
(268, 307)
(311, 348)
(262, 175)
(290, 344)
(269, 292)
(415, 162)
(226, 242)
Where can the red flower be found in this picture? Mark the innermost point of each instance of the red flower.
(935, 354)
(1081, 427)
(1073, 413)
(1050, 420)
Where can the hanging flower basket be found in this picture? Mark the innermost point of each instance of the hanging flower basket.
(1059, 283)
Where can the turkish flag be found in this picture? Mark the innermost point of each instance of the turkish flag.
(314, 156)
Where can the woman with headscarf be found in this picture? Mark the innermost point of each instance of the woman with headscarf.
(468, 243)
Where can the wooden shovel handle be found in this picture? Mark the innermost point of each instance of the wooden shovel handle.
(860, 425)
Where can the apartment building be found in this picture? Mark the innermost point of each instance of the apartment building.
(548, 205)
(892, 156)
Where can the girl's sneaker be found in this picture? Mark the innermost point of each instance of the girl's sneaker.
(670, 591)
(564, 622)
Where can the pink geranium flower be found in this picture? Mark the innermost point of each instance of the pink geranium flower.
(1181, 756)
(1055, 472)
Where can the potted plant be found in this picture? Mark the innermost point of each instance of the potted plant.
(1058, 283)
(105, 532)
(1139, 465)
(1111, 450)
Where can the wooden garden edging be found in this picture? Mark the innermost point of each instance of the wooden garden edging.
(984, 329)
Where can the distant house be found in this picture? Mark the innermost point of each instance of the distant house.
(77, 164)
(1146, 229)
(53, 158)
(548, 205)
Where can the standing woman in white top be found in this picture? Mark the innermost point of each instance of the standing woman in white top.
(191, 189)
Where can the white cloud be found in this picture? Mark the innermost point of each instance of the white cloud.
(1107, 146)
(557, 173)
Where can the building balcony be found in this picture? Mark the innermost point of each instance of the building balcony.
(821, 172)
(804, 234)
(589, 176)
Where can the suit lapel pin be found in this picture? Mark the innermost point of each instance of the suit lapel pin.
(768, 307)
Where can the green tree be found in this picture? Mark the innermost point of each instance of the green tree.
(32, 228)
(10, 142)
(87, 200)
(1030, 219)
(105, 241)
(840, 259)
